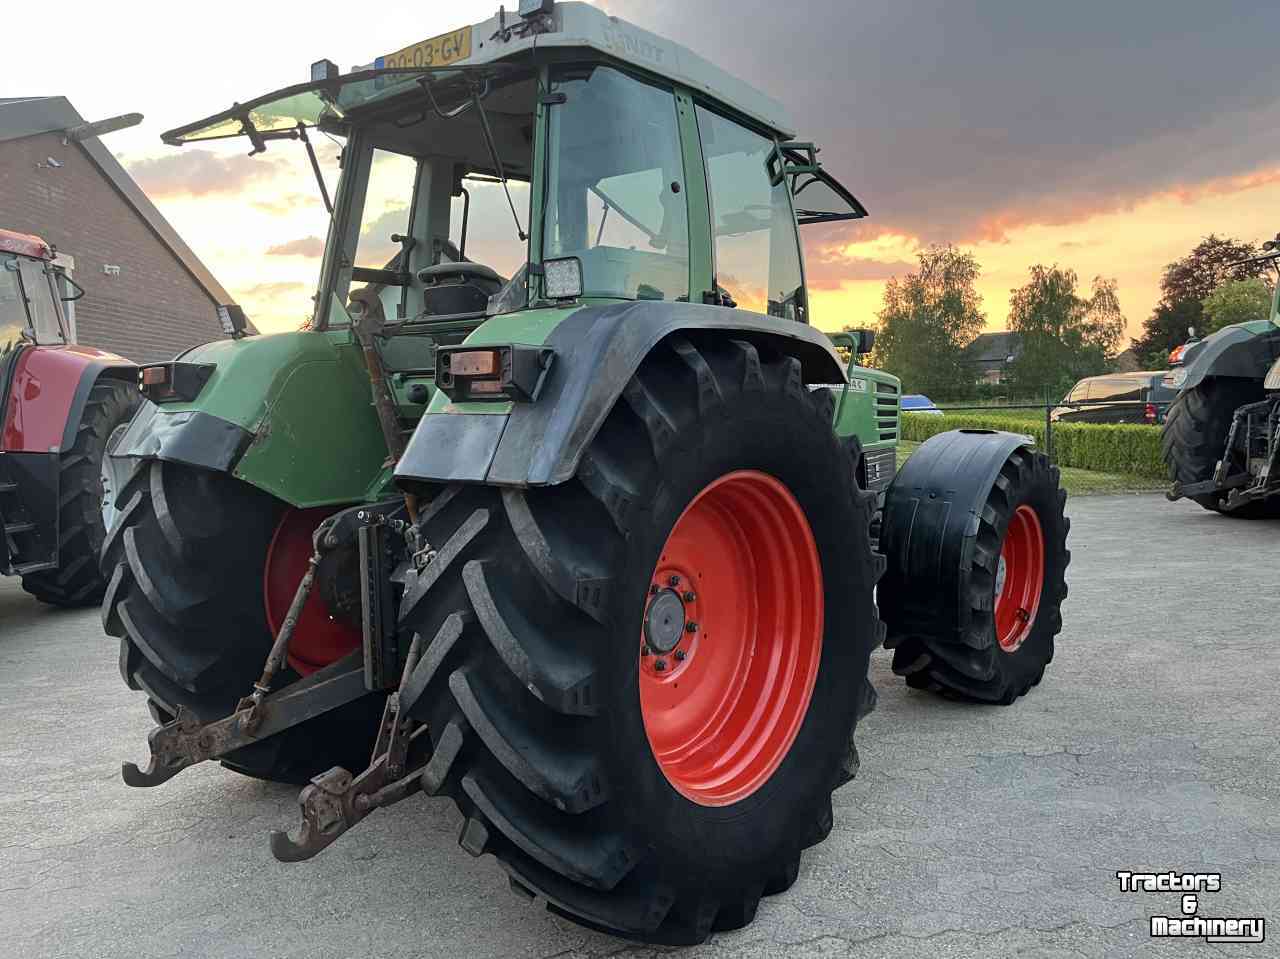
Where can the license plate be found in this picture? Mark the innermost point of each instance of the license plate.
(437, 52)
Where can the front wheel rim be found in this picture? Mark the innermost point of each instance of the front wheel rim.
(732, 639)
(1019, 579)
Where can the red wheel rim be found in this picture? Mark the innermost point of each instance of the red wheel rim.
(739, 584)
(318, 639)
(1020, 579)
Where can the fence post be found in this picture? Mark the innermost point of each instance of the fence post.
(1048, 427)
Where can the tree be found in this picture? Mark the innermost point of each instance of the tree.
(1185, 285)
(929, 317)
(1064, 336)
(1236, 301)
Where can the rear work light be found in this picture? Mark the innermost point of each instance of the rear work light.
(513, 372)
(173, 382)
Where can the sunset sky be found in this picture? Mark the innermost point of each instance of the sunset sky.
(1105, 137)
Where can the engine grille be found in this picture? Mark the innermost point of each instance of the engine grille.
(887, 411)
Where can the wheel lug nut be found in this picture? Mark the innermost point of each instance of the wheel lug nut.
(680, 655)
(691, 627)
(673, 581)
(660, 665)
(689, 597)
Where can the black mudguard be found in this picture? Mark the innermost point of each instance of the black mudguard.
(597, 350)
(931, 510)
(1234, 351)
(193, 437)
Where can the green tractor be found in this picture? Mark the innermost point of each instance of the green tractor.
(544, 511)
(1221, 438)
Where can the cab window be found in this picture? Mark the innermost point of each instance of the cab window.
(615, 188)
(13, 309)
(757, 253)
(42, 301)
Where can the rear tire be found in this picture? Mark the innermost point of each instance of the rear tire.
(533, 612)
(976, 649)
(1194, 437)
(78, 581)
(185, 597)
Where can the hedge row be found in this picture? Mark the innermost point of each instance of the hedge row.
(1107, 448)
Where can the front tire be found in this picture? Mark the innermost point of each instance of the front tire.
(993, 641)
(540, 700)
(82, 520)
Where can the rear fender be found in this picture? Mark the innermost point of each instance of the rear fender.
(48, 389)
(1246, 351)
(289, 413)
(597, 350)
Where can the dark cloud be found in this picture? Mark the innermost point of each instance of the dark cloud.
(959, 120)
(311, 247)
(200, 173)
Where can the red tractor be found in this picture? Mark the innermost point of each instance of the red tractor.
(61, 407)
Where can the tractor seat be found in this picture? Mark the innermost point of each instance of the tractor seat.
(466, 271)
(454, 288)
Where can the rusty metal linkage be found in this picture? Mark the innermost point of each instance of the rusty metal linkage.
(185, 741)
(335, 801)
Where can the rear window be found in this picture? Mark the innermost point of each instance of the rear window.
(1112, 390)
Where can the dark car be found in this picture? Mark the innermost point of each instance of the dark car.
(1117, 398)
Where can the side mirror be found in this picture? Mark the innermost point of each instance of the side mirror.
(865, 340)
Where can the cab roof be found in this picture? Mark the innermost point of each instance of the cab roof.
(581, 25)
(24, 244)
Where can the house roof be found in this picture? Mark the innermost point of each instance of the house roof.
(993, 347)
(29, 116)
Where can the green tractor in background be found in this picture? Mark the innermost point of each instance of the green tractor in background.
(544, 511)
(1221, 437)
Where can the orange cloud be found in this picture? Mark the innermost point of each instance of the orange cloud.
(201, 173)
(311, 247)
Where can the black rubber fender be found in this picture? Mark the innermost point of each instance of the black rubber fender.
(948, 477)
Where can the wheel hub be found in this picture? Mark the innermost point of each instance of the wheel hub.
(664, 621)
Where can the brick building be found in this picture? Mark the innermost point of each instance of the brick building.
(147, 296)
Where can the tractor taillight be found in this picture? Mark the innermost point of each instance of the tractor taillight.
(1149, 413)
(474, 363)
(174, 382)
(514, 372)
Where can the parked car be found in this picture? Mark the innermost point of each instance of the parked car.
(1117, 398)
(919, 403)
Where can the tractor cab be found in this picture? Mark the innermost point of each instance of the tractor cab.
(543, 161)
(31, 292)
